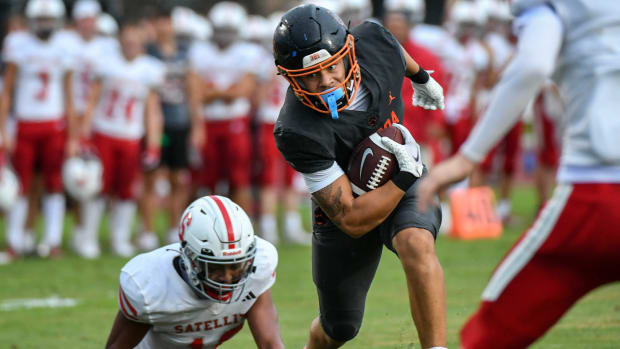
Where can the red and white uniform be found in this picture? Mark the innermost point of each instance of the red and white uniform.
(118, 123)
(572, 247)
(42, 66)
(39, 105)
(125, 86)
(152, 292)
(463, 64)
(228, 146)
(273, 168)
(85, 58)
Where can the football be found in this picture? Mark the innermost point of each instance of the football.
(371, 165)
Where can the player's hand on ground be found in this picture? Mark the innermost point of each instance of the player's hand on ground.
(452, 170)
(408, 155)
(428, 95)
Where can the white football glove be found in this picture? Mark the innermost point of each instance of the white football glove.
(428, 95)
(408, 155)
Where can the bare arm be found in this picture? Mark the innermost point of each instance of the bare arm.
(197, 137)
(126, 333)
(263, 321)
(72, 121)
(154, 121)
(94, 92)
(412, 67)
(243, 88)
(6, 98)
(357, 216)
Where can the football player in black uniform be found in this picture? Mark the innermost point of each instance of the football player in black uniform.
(345, 85)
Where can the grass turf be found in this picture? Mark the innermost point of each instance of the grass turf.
(593, 323)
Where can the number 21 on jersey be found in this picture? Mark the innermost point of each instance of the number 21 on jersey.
(114, 100)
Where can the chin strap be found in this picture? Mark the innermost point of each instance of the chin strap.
(331, 99)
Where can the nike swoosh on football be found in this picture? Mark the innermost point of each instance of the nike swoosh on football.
(367, 152)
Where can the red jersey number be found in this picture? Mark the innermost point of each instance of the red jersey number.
(44, 77)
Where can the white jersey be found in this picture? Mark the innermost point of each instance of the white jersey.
(125, 87)
(42, 66)
(222, 69)
(579, 42)
(462, 68)
(269, 107)
(153, 292)
(86, 54)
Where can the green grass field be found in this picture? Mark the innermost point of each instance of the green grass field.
(592, 323)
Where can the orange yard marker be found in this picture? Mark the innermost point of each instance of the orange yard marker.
(473, 214)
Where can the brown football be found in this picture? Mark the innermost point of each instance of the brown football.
(371, 165)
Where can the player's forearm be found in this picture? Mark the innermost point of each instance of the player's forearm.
(193, 98)
(6, 96)
(411, 66)
(154, 121)
(4, 108)
(242, 89)
(72, 122)
(263, 321)
(94, 92)
(358, 216)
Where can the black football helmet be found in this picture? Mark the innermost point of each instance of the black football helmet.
(310, 38)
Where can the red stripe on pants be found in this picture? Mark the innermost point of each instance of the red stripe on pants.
(579, 254)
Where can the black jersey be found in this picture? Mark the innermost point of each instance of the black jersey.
(311, 141)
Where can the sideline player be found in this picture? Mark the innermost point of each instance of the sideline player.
(199, 292)
(124, 107)
(227, 69)
(344, 86)
(572, 247)
(277, 180)
(88, 48)
(37, 84)
(183, 128)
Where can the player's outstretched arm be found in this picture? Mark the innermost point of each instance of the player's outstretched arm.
(126, 333)
(263, 321)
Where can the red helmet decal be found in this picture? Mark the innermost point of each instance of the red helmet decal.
(185, 222)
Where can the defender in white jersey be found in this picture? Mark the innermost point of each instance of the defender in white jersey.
(572, 247)
(198, 293)
(124, 108)
(37, 89)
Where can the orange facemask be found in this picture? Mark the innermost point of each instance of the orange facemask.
(337, 98)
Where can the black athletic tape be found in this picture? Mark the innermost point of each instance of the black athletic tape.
(404, 180)
(421, 77)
